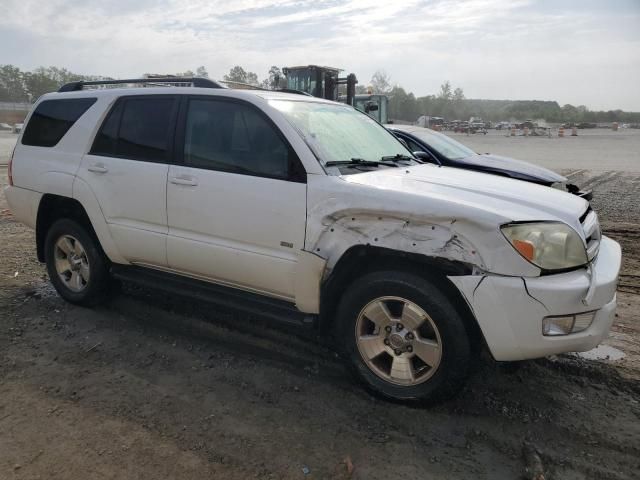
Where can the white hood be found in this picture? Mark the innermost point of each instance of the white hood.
(510, 199)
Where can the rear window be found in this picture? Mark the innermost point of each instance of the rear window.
(52, 119)
(138, 129)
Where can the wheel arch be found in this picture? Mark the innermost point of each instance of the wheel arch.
(53, 207)
(362, 259)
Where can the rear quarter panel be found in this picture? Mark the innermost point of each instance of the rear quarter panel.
(52, 169)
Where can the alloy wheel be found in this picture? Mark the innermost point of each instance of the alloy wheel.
(72, 263)
(398, 341)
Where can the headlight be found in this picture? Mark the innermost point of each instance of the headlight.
(548, 245)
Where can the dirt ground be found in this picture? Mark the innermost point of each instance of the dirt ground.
(156, 387)
(592, 149)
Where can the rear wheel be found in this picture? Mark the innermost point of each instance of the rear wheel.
(403, 337)
(76, 265)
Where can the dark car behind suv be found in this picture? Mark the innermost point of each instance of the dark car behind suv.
(434, 147)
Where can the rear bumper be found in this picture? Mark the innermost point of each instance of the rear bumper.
(510, 310)
(23, 204)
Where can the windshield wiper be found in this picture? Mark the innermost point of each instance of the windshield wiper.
(396, 157)
(358, 162)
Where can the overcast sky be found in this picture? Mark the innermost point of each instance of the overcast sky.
(579, 52)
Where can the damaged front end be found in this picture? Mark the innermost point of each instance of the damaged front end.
(551, 262)
(555, 312)
(523, 317)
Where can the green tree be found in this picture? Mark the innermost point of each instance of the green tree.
(12, 87)
(275, 79)
(381, 82)
(569, 113)
(426, 105)
(39, 82)
(444, 105)
(458, 107)
(402, 105)
(252, 78)
(43, 80)
(202, 72)
(445, 91)
(62, 75)
(238, 74)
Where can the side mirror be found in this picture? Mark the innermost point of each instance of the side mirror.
(370, 107)
(424, 156)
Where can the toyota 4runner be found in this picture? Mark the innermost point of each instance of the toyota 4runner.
(309, 211)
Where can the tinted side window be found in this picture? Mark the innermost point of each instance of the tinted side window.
(234, 137)
(52, 119)
(138, 129)
(145, 128)
(106, 140)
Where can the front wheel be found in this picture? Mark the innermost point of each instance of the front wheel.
(403, 337)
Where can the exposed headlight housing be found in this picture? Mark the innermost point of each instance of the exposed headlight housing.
(548, 245)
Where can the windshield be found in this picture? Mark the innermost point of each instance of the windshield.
(338, 133)
(444, 145)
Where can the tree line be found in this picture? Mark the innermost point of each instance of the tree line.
(405, 106)
(27, 86)
(19, 86)
(452, 104)
(449, 102)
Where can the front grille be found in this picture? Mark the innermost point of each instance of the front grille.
(592, 234)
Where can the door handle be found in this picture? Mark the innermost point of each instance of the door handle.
(188, 181)
(98, 169)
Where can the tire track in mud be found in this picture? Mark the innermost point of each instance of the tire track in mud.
(573, 173)
(292, 348)
(601, 179)
(629, 283)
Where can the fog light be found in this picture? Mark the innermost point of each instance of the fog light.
(557, 325)
(583, 320)
(566, 324)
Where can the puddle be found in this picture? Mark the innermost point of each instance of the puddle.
(602, 352)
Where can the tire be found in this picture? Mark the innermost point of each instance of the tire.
(86, 281)
(423, 325)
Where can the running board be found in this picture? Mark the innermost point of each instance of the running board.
(251, 303)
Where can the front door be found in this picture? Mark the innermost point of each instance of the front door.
(236, 207)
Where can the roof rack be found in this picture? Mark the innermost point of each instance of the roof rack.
(291, 90)
(241, 85)
(176, 81)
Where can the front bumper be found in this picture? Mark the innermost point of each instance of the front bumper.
(510, 310)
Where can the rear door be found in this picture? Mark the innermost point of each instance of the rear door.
(127, 168)
(237, 205)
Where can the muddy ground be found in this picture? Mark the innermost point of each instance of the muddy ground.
(156, 387)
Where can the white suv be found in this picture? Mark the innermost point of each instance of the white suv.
(309, 211)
